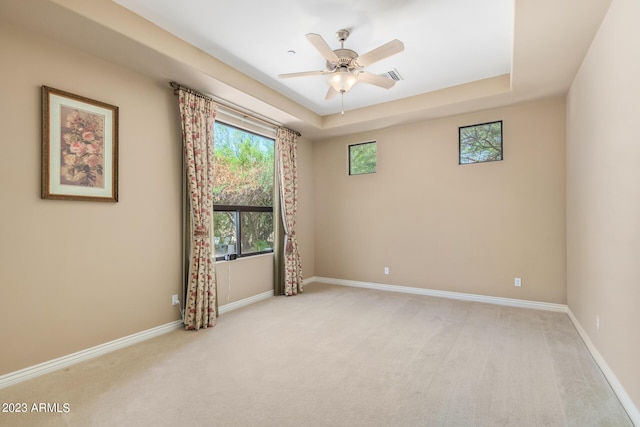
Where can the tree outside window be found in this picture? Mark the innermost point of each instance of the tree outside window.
(362, 158)
(243, 191)
(480, 143)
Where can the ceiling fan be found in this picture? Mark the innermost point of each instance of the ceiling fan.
(345, 66)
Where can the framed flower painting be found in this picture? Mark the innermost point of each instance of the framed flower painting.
(79, 147)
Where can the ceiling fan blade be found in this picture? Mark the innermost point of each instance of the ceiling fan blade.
(325, 50)
(331, 93)
(302, 74)
(379, 53)
(376, 80)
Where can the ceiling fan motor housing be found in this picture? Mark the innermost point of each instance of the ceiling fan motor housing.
(346, 59)
(345, 56)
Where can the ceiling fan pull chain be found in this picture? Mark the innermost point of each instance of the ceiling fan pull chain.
(342, 96)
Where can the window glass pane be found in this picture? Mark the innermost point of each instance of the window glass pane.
(243, 167)
(362, 158)
(480, 143)
(257, 231)
(224, 229)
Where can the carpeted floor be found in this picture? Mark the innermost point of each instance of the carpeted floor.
(337, 356)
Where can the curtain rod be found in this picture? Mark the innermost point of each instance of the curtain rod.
(226, 104)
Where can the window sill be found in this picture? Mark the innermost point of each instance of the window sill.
(244, 258)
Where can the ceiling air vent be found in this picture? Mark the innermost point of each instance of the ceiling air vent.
(393, 75)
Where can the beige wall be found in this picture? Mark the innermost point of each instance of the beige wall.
(238, 280)
(439, 225)
(603, 187)
(78, 274)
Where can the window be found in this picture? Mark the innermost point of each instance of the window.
(243, 192)
(362, 158)
(480, 143)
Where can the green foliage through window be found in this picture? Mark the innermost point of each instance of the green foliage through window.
(243, 167)
(362, 158)
(481, 143)
(243, 191)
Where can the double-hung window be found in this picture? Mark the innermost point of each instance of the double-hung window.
(243, 192)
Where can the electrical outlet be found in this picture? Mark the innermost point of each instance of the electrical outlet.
(517, 282)
(597, 322)
(386, 270)
(175, 300)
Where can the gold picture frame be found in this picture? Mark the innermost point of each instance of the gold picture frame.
(79, 147)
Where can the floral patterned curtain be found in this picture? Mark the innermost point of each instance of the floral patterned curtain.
(288, 174)
(198, 115)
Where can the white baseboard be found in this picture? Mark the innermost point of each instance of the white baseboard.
(617, 387)
(99, 350)
(80, 356)
(511, 302)
(243, 302)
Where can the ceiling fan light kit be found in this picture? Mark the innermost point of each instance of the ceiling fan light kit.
(345, 66)
(342, 80)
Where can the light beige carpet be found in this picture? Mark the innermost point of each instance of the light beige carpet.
(336, 356)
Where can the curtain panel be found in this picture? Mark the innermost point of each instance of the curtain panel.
(197, 115)
(288, 185)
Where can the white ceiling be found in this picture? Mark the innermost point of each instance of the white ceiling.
(447, 42)
(537, 48)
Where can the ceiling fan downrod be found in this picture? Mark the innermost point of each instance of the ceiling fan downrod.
(342, 35)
